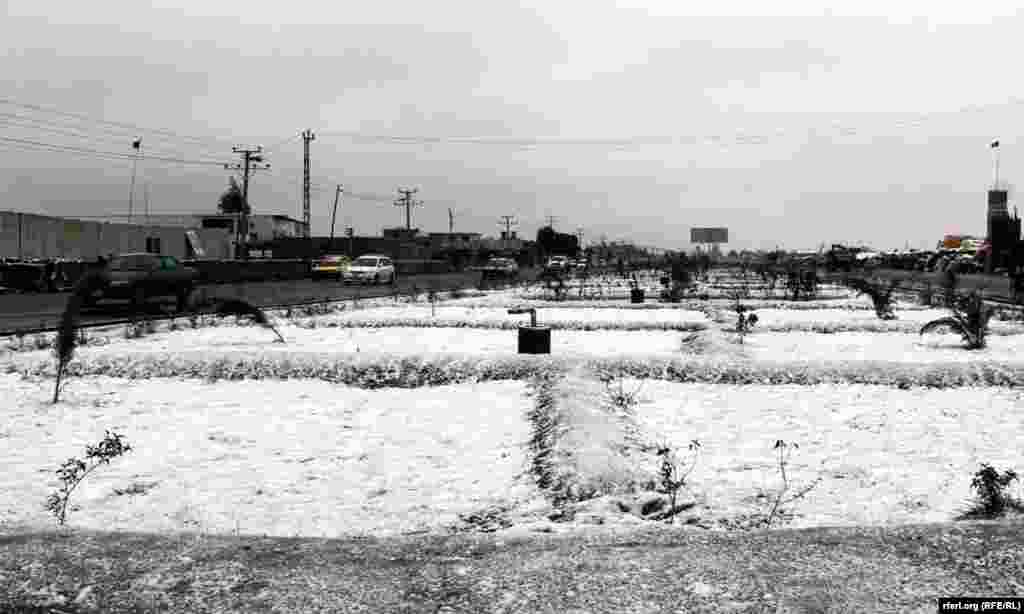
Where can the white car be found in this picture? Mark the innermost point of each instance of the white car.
(371, 269)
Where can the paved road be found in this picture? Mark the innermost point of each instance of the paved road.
(29, 312)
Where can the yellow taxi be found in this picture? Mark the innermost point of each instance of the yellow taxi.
(330, 266)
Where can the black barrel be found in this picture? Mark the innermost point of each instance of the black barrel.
(534, 340)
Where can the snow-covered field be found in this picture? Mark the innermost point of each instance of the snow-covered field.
(310, 457)
(400, 341)
(894, 347)
(485, 315)
(283, 458)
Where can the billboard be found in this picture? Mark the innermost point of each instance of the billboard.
(709, 235)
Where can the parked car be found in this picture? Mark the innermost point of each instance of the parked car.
(140, 276)
(558, 264)
(371, 268)
(331, 267)
(501, 268)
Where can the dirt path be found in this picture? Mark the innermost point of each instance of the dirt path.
(902, 569)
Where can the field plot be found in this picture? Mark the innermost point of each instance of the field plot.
(893, 347)
(883, 455)
(491, 317)
(388, 417)
(389, 340)
(282, 458)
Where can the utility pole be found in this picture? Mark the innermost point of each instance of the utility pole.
(251, 162)
(451, 221)
(407, 202)
(307, 136)
(579, 235)
(508, 220)
(146, 192)
(137, 147)
(337, 195)
(551, 221)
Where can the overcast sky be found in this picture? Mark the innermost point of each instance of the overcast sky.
(866, 122)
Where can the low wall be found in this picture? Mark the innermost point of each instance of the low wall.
(233, 271)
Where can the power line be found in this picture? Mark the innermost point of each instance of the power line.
(39, 145)
(136, 127)
(915, 121)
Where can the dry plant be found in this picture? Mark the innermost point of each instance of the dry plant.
(67, 334)
(970, 320)
(991, 499)
(75, 470)
(672, 476)
(785, 451)
(243, 310)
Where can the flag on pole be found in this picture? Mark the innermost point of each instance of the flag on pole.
(994, 144)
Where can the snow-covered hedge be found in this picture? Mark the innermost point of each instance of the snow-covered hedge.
(380, 371)
(503, 325)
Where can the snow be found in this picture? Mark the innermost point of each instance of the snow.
(551, 317)
(885, 455)
(895, 347)
(307, 457)
(391, 340)
(314, 459)
(281, 458)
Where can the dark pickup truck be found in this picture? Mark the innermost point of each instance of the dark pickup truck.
(140, 276)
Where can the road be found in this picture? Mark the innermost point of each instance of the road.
(33, 312)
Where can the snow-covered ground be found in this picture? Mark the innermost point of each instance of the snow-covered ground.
(894, 347)
(308, 457)
(406, 341)
(314, 459)
(283, 458)
(476, 315)
(885, 455)
(389, 340)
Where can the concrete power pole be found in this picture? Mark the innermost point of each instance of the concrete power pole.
(307, 136)
(251, 162)
(508, 220)
(407, 202)
(137, 147)
(334, 215)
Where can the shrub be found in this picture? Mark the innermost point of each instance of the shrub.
(785, 451)
(744, 321)
(544, 426)
(672, 476)
(927, 294)
(243, 310)
(880, 298)
(75, 470)
(970, 320)
(67, 337)
(991, 499)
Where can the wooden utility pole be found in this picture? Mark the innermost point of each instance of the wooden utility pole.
(307, 136)
(451, 221)
(334, 215)
(407, 202)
